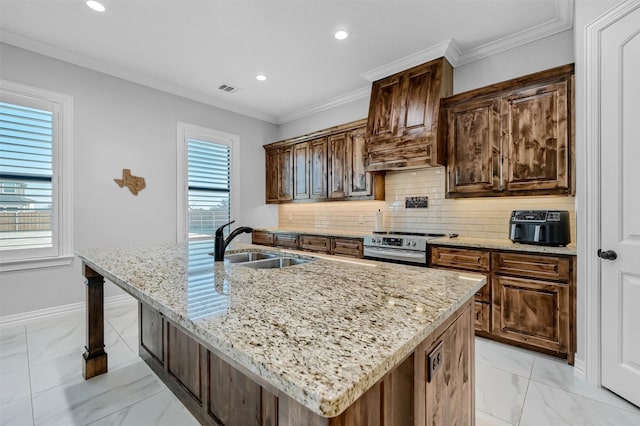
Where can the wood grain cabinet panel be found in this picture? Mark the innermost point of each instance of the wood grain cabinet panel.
(285, 240)
(262, 238)
(272, 166)
(337, 148)
(358, 178)
(531, 312)
(318, 168)
(403, 117)
(350, 247)
(482, 316)
(279, 174)
(183, 360)
(555, 268)
(461, 258)
(301, 170)
(473, 141)
(511, 138)
(151, 331)
(315, 243)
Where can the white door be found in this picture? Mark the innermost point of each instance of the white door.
(620, 204)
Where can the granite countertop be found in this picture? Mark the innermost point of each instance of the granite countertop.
(503, 244)
(322, 332)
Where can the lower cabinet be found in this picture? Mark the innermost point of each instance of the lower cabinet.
(340, 246)
(433, 385)
(529, 299)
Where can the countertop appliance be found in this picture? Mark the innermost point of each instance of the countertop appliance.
(399, 246)
(542, 227)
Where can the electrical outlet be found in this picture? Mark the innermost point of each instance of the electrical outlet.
(360, 219)
(435, 359)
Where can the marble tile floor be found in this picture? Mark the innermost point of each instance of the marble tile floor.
(41, 382)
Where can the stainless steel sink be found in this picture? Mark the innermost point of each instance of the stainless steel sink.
(277, 262)
(248, 256)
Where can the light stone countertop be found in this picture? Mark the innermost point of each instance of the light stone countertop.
(322, 332)
(503, 244)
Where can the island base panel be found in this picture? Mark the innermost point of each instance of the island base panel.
(94, 359)
(227, 396)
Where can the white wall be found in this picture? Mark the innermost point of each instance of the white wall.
(119, 124)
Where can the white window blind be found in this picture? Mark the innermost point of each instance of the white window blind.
(209, 186)
(27, 215)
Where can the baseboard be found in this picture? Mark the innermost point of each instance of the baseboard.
(120, 299)
(579, 368)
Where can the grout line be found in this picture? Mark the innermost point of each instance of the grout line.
(524, 402)
(26, 344)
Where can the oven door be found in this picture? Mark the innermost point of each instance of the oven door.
(398, 255)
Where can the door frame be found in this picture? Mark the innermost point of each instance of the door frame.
(589, 263)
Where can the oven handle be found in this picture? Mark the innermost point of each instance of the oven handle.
(394, 253)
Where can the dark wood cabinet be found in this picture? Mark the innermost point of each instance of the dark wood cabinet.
(285, 240)
(315, 243)
(263, 238)
(151, 332)
(183, 360)
(511, 138)
(529, 299)
(326, 165)
(340, 246)
(279, 171)
(403, 117)
(350, 247)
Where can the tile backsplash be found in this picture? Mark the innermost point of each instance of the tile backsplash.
(486, 217)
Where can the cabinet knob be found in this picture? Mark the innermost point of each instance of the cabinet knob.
(607, 255)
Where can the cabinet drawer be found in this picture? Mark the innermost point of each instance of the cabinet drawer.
(459, 258)
(556, 268)
(315, 243)
(285, 240)
(346, 247)
(481, 316)
(262, 237)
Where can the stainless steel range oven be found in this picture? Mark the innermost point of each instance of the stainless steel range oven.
(400, 247)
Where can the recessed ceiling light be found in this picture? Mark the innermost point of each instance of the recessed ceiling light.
(341, 35)
(95, 5)
(261, 77)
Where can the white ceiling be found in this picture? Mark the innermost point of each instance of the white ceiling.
(190, 47)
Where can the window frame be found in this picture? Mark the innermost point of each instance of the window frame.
(61, 252)
(186, 131)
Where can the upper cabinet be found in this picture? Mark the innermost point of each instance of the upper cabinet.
(511, 138)
(403, 117)
(326, 165)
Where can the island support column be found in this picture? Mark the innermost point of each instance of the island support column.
(94, 357)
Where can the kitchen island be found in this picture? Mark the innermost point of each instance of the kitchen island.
(324, 342)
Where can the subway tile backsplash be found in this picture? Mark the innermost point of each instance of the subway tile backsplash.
(486, 217)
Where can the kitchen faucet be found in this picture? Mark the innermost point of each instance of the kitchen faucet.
(221, 244)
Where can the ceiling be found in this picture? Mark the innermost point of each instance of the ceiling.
(191, 47)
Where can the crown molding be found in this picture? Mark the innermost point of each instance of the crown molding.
(132, 76)
(363, 92)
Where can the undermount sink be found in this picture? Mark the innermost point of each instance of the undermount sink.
(248, 256)
(278, 262)
(259, 260)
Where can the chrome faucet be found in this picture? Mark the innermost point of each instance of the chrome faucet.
(221, 244)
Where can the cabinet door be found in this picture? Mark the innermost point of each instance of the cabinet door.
(272, 166)
(538, 134)
(262, 238)
(481, 311)
(531, 312)
(346, 247)
(337, 165)
(301, 171)
(384, 109)
(318, 168)
(151, 331)
(285, 182)
(358, 179)
(417, 100)
(183, 359)
(315, 243)
(473, 141)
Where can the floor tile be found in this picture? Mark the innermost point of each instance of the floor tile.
(17, 413)
(558, 373)
(14, 385)
(504, 357)
(58, 337)
(162, 409)
(84, 401)
(50, 372)
(499, 393)
(13, 349)
(550, 406)
(484, 419)
(123, 318)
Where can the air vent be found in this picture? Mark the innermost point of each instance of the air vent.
(228, 88)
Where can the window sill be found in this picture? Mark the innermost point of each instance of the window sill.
(45, 262)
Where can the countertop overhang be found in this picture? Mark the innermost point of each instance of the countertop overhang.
(322, 332)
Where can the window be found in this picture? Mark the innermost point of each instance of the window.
(35, 153)
(207, 172)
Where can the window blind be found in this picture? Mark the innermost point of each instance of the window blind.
(209, 186)
(205, 295)
(26, 187)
